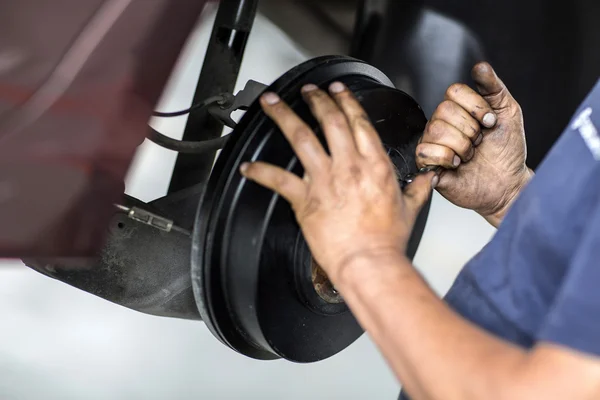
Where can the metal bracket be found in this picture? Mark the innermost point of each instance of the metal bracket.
(144, 264)
(242, 100)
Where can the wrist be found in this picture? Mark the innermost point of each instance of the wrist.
(366, 267)
(513, 192)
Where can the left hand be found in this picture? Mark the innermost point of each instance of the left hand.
(349, 204)
(479, 138)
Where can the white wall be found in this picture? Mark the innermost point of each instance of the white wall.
(59, 343)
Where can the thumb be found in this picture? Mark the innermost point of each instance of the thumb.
(491, 87)
(417, 193)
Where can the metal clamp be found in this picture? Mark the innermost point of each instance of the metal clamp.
(242, 100)
(408, 179)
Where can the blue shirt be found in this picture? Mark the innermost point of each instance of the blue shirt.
(539, 277)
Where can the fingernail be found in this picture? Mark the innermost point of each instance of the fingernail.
(435, 180)
(271, 98)
(309, 88)
(244, 167)
(337, 87)
(489, 120)
(478, 140)
(471, 153)
(456, 161)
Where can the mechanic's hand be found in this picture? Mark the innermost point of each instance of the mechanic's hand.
(349, 204)
(479, 138)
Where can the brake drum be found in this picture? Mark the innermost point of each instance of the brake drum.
(256, 285)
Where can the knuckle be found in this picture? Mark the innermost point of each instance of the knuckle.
(472, 128)
(355, 171)
(350, 174)
(364, 127)
(362, 121)
(425, 137)
(436, 129)
(278, 109)
(313, 94)
(280, 182)
(302, 135)
(335, 119)
(454, 89)
(437, 156)
(447, 155)
(422, 151)
(319, 97)
(445, 108)
(311, 206)
(346, 96)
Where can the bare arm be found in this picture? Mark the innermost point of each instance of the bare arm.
(437, 354)
(357, 223)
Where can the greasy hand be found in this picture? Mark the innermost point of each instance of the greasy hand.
(348, 204)
(479, 138)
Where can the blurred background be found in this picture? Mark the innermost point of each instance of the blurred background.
(57, 342)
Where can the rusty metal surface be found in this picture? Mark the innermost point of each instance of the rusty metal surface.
(76, 91)
(323, 285)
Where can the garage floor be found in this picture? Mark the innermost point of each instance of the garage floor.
(58, 343)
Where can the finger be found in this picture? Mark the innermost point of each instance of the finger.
(473, 103)
(434, 154)
(279, 180)
(447, 180)
(458, 117)
(302, 139)
(491, 87)
(418, 192)
(332, 120)
(442, 133)
(366, 137)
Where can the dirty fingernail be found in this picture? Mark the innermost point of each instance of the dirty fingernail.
(271, 98)
(336, 87)
(309, 88)
(489, 120)
(478, 140)
(244, 167)
(435, 180)
(471, 153)
(456, 161)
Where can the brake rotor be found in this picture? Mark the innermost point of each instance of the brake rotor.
(256, 285)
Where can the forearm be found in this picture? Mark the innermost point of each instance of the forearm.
(434, 352)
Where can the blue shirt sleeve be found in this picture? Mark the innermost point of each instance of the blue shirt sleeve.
(574, 319)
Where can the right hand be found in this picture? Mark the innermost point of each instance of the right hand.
(480, 141)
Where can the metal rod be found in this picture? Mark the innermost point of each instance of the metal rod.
(219, 74)
(367, 27)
